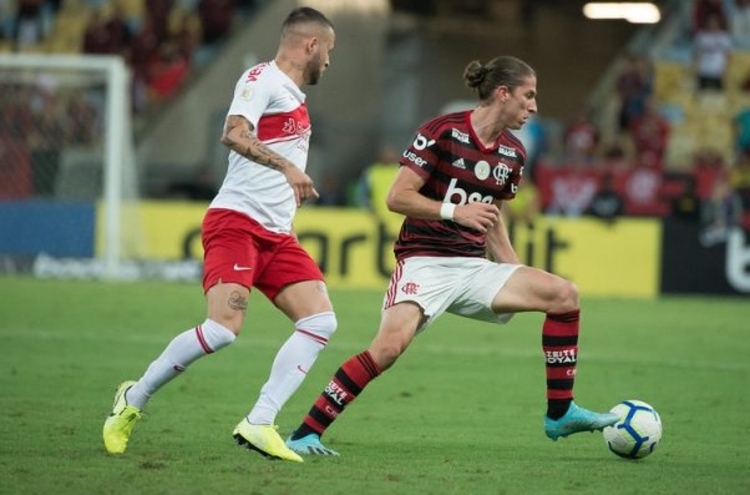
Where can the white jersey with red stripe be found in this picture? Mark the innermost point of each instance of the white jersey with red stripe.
(276, 108)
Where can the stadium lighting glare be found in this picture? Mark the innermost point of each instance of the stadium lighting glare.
(636, 13)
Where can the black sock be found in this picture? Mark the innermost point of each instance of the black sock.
(556, 408)
(302, 432)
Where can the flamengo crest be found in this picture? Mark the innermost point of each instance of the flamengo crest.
(501, 173)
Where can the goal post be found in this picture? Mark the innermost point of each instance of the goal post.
(73, 110)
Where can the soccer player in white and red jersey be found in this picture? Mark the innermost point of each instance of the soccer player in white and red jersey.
(248, 240)
(454, 253)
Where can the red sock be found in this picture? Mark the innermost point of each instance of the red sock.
(347, 383)
(560, 346)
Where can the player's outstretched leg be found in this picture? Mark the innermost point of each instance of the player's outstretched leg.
(120, 422)
(577, 419)
(309, 445)
(265, 440)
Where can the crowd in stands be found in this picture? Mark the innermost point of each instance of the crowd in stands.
(598, 167)
(37, 122)
(609, 169)
(630, 171)
(161, 41)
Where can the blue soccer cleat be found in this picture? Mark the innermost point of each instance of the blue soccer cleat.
(578, 419)
(309, 445)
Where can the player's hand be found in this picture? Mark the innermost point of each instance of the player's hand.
(478, 216)
(301, 183)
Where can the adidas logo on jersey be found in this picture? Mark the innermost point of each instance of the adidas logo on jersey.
(459, 163)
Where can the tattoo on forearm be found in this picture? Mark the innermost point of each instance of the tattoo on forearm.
(237, 302)
(246, 143)
(260, 153)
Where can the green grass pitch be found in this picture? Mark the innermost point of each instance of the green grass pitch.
(460, 413)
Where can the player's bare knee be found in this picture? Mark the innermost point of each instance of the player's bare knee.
(565, 296)
(569, 296)
(386, 353)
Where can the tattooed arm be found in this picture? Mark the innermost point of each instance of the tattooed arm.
(238, 136)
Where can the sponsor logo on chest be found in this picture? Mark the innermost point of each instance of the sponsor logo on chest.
(460, 136)
(505, 151)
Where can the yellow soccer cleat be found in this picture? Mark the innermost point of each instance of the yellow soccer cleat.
(120, 422)
(265, 440)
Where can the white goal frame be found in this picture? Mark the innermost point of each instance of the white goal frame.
(119, 153)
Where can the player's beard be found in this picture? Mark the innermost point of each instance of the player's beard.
(314, 71)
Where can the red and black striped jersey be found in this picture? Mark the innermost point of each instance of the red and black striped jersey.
(457, 168)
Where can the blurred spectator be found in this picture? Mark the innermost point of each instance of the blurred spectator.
(143, 50)
(376, 181)
(330, 191)
(158, 11)
(740, 173)
(526, 206)
(741, 126)
(7, 20)
(97, 39)
(745, 83)
(145, 45)
(46, 140)
(167, 72)
(15, 128)
(739, 178)
(16, 120)
(188, 35)
(217, 17)
(607, 204)
(119, 31)
(686, 206)
(81, 122)
(704, 9)
(708, 158)
(712, 48)
(634, 87)
(581, 139)
(650, 133)
(28, 28)
(722, 211)
(617, 157)
(739, 24)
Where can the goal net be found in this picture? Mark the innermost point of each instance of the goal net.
(68, 177)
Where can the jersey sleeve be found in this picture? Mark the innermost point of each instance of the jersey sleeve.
(515, 179)
(515, 168)
(251, 97)
(423, 154)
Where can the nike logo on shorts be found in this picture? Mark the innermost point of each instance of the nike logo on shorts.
(239, 268)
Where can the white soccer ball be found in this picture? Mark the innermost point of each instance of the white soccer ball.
(638, 431)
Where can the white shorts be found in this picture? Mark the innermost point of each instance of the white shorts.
(458, 285)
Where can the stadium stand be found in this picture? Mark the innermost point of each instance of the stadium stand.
(166, 42)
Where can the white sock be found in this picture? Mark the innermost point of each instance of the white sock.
(182, 351)
(291, 365)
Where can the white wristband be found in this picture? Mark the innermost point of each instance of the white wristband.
(447, 210)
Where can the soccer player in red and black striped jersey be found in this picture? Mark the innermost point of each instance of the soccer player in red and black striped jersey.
(454, 253)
